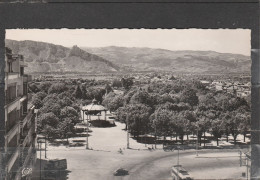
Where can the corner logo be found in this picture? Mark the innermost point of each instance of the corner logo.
(26, 171)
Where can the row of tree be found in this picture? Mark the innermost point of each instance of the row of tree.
(179, 109)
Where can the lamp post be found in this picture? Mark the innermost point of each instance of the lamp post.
(40, 161)
(40, 142)
(197, 145)
(85, 111)
(178, 159)
(127, 132)
(83, 118)
(45, 147)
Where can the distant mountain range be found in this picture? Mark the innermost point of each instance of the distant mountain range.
(177, 61)
(46, 57)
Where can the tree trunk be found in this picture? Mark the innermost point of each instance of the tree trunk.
(164, 139)
(200, 140)
(204, 139)
(155, 141)
(181, 137)
(187, 137)
(227, 137)
(176, 138)
(244, 137)
(217, 141)
(235, 140)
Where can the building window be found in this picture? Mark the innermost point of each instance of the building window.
(21, 71)
(12, 118)
(11, 93)
(10, 68)
(25, 92)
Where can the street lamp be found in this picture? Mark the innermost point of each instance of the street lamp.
(197, 145)
(127, 132)
(40, 142)
(178, 159)
(86, 111)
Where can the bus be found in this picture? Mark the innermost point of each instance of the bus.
(179, 173)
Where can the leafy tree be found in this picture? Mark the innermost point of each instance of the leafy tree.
(121, 114)
(40, 95)
(113, 102)
(50, 132)
(233, 123)
(129, 95)
(48, 119)
(32, 87)
(108, 88)
(78, 93)
(189, 96)
(116, 83)
(57, 88)
(166, 98)
(66, 101)
(127, 83)
(65, 127)
(44, 86)
(138, 117)
(141, 97)
(217, 129)
(202, 126)
(50, 98)
(162, 122)
(244, 125)
(37, 103)
(84, 92)
(182, 124)
(69, 112)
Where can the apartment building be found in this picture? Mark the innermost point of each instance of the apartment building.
(18, 153)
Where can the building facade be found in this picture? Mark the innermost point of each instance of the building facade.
(18, 153)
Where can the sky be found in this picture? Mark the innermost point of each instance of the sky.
(221, 40)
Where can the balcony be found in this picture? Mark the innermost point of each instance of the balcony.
(26, 137)
(13, 155)
(12, 76)
(9, 101)
(12, 132)
(27, 118)
(27, 155)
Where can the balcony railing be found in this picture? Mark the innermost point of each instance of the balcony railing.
(12, 155)
(12, 75)
(11, 133)
(27, 118)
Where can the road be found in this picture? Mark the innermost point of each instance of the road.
(104, 159)
(208, 165)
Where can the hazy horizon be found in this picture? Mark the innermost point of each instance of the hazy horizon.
(236, 41)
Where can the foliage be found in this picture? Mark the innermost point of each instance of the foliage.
(37, 102)
(78, 93)
(217, 128)
(48, 119)
(44, 86)
(127, 83)
(57, 88)
(137, 116)
(189, 96)
(113, 102)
